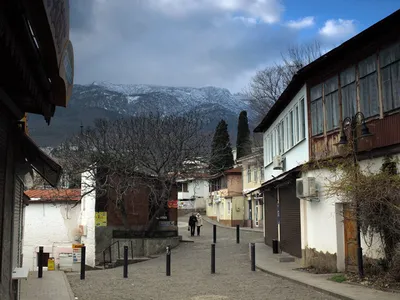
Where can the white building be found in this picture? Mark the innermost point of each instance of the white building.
(51, 221)
(285, 149)
(193, 192)
(330, 100)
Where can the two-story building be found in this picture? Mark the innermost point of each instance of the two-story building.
(253, 176)
(360, 78)
(285, 136)
(36, 76)
(226, 204)
(193, 191)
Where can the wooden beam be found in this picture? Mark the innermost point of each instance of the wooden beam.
(9, 103)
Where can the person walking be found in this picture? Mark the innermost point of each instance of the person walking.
(192, 224)
(199, 223)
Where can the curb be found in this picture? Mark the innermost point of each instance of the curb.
(208, 220)
(68, 286)
(318, 289)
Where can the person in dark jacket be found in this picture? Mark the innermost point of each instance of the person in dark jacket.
(192, 224)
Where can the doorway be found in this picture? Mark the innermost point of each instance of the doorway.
(350, 238)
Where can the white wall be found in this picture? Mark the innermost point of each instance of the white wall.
(197, 188)
(53, 226)
(87, 217)
(322, 222)
(295, 156)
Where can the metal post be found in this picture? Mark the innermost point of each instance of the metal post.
(359, 248)
(119, 254)
(212, 258)
(214, 233)
(125, 261)
(40, 262)
(275, 249)
(83, 262)
(237, 234)
(104, 259)
(168, 261)
(253, 256)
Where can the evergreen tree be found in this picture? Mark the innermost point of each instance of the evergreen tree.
(221, 150)
(243, 142)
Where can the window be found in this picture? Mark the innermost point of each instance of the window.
(262, 173)
(291, 139)
(390, 71)
(268, 149)
(286, 129)
(255, 174)
(229, 207)
(349, 92)
(248, 173)
(368, 87)
(316, 110)
(332, 103)
(297, 124)
(183, 187)
(281, 137)
(302, 125)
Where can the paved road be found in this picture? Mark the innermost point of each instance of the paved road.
(191, 278)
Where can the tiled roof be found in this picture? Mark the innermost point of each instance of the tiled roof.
(54, 195)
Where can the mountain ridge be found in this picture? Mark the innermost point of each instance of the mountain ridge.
(112, 101)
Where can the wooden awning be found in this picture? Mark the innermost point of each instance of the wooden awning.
(40, 161)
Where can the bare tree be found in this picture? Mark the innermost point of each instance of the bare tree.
(268, 84)
(148, 151)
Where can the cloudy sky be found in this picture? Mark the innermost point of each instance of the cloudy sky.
(205, 42)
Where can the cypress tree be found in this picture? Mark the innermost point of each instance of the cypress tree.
(221, 150)
(243, 142)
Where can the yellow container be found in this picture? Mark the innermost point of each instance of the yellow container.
(50, 264)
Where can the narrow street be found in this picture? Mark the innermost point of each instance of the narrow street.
(190, 275)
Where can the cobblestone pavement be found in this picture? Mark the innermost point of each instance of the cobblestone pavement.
(190, 275)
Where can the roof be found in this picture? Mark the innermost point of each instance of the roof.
(390, 23)
(53, 195)
(233, 171)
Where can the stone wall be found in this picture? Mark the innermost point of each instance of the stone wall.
(137, 247)
(322, 262)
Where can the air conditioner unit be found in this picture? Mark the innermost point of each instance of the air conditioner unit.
(278, 162)
(306, 187)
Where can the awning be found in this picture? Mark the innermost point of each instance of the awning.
(40, 161)
(250, 191)
(281, 179)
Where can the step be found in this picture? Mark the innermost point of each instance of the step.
(285, 258)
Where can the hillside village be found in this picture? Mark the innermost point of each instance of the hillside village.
(314, 186)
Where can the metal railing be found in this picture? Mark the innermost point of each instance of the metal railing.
(109, 249)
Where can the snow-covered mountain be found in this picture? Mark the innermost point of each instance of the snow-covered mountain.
(108, 100)
(138, 98)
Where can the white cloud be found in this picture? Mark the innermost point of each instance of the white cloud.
(128, 41)
(338, 29)
(301, 23)
(268, 11)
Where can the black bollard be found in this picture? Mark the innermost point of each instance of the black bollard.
(253, 256)
(237, 234)
(212, 258)
(83, 262)
(125, 261)
(40, 262)
(168, 261)
(214, 233)
(275, 249)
